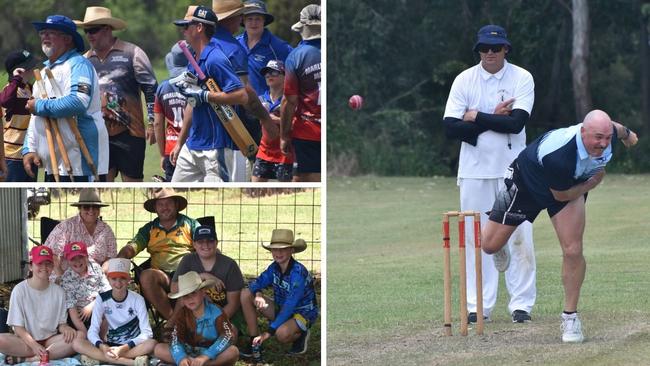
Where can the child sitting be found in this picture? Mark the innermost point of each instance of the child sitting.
(82, 281)
(129, 339)
(294, 309)
(202, 333)
(38, 316)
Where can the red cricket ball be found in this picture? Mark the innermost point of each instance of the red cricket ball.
(355, 102)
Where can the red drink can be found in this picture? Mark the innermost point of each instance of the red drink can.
(45, 358)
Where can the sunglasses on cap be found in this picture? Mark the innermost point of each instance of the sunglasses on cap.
(273, 73)
(485, 48)
(93, 30)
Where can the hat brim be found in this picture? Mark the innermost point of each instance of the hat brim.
(492, 41)
(307, 31)
(150, 204)
(28, 64)
(79, 204)
(299, 245)
(187, 291)
(266, 69)
(118, 275)
(232, 13)
(72, 255)
(115, 23)
(78, 40)
(42, 259)
(268, 18)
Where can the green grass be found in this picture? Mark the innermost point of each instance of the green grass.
(385, 280)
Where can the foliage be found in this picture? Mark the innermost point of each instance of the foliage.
(403, 56)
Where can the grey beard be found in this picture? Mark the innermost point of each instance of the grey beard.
(48, 51)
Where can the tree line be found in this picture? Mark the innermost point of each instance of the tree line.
(402, 57)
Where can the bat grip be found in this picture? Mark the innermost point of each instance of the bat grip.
(191, 60)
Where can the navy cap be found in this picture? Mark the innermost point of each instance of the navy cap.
(276, 65)
(199, 14)
(22, 59)
(63, 24)
(492, 34)
(204, 232)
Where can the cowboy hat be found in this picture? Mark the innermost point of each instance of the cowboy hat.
(89, 197)
(227, 8)
(63, 24)
(190, 282)
(150, 204)
(98, 15)
(283, 238)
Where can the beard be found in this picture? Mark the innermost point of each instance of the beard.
(47, 50)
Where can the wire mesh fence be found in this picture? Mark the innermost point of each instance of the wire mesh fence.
(244, 217)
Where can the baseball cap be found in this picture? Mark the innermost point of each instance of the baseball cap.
(492, 34)
(276, 65)
(16, 59)
(40, 254)
(204, 232)
(199, 14)
(119, 267)
(74, 249)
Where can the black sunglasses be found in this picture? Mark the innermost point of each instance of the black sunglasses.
(93, 30)
(485, 48)
(185, 26)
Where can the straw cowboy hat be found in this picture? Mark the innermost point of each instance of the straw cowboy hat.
(190, 282)
(89, 197)
(227, 8)
(150, 204)
(283, 238)
(99, 15)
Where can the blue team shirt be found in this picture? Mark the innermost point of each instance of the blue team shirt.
(269, 47)
(207, 131)
(293, 291)
(558, 160)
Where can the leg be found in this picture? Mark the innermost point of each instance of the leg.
(217, 164)
(59, 348)
(12, 345)
(569, 225)
(161, 350)
(144, 348)
(288, 331)
(228, 357)
(155, 284)
(520, 276)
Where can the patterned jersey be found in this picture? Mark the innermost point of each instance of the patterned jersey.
(293, 291)
(171, 104)
(302, 79)
(82, 290)
(128, 320)
(124, 72)
(13, 98)
(166, 247)
(269, 149)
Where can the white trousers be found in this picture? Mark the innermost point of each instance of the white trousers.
(479, 195)
(203, 165)
(241, 168)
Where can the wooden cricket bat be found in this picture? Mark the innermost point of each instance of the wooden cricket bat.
(50, 134)
(226, 113)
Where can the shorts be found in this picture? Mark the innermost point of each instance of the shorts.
(66, 178)
(270, 170)
(307, 155)
(514, 203)
(16, 171)
(126, 154)
(168, 168)
(203, 165)
(301, 320)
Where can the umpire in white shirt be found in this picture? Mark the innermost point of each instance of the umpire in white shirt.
(488, 107)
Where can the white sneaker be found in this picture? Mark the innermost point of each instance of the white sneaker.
(502, 258)
(571, 329)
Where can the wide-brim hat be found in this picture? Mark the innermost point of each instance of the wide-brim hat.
(89, 197)
(227, 8)
(190, 282)
(63, 24)
(492, 34)
(99, 15)
(309, 25)
(257, 7)
(283, 238)
(150, 204)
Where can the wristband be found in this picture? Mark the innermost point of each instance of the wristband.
(627, 130)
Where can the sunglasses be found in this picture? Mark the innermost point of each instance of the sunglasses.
(485, 48)
(273, 73)
(93, 30)
(49, 33)
(185, 26)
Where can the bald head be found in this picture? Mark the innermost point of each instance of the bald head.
(597, 120)
(597, 131)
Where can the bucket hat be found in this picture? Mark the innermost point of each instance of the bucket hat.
(63, 24)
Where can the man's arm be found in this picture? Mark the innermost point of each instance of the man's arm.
(627, 136)
(126, 252)
(462, 130)
(579, 189)
(234, 303)
(287, 110)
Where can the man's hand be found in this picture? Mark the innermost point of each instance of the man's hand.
(597, 178)
(150, 135)
(31, 105)
(505, 107)
(28, 160)
(219, 285)
(173, 156)
(630, 140)
(285, 145)
(195, 96)
(470, 115)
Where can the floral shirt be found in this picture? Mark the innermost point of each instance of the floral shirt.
(101, 245)
(82, 290)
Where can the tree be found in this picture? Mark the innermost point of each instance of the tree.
(579, 58)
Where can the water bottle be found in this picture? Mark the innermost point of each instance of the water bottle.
(257, 352)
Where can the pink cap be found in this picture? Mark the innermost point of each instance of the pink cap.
(41, 254)
(74, 249)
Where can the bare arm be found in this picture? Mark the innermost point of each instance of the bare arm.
(579, 189)
(287, 110)
(126, 252)
(159, 129)
(627, 136)
(237, 96)
(233, 303)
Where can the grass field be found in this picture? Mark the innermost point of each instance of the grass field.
(385, 280)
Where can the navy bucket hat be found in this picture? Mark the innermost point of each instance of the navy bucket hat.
(63, 24)
(492, 34)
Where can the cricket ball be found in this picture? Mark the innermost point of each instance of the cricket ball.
(355, 102)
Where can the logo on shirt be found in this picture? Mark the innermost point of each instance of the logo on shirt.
(259, 58)
(119, 58)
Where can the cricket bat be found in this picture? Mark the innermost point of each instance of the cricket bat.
(226, 113)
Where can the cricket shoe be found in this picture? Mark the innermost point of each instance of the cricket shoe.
(472, 318)
(502, 258)
(299, 346)
(521, 316)
(571, 329)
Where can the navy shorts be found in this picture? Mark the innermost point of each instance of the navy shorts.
(307, 155)
(126, 154)
(514, 203)
(269, 170)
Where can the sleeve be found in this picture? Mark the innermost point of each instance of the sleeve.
(143, 318)
(296, 292)
(95, 322)
(234, 279)
(8, 93)
(141, 239)
(176, 348)
(145, 76)
(63, 311)
(512, 123)
(157, 104)
(225, 76)
(525, 93)
(77, 101)
(464, 131)
(281, 48)
(69, 286)
(58, 237)
(31, 140)
(263, 281)
(16, 316)
(223, 341)
(111, 243)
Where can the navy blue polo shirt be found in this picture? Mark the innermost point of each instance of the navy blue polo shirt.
(558, 160)
(270, 47)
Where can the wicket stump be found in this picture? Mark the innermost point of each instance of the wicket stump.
(462, 270)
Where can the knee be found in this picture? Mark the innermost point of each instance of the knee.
(284, 334)
(231, 355)
(572, 250)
